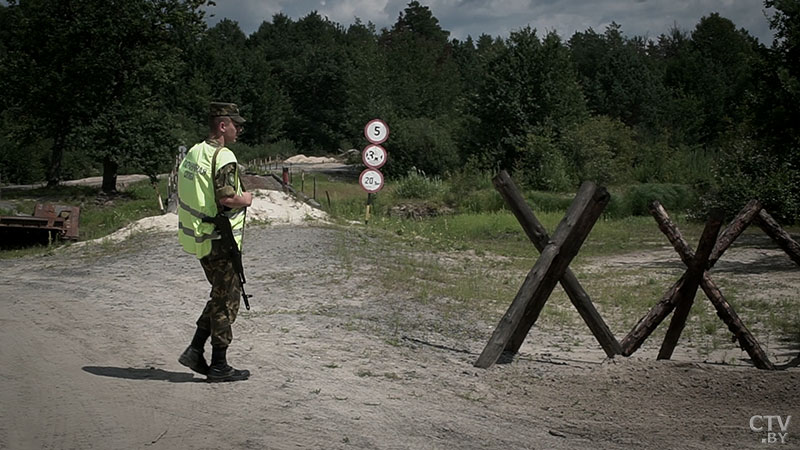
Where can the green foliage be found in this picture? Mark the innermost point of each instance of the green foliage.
(416, 185)
(618, 78)
(278, 150)
(421, 143)
(658, 162)
(747, 171)
(637, 198)
(117, 86)
(100, 79)
(470, 190)
(548, 201)
(423, 78)
(530, 87)
(542, 165)
(601, 150)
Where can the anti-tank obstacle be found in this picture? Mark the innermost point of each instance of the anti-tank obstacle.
(552, 267)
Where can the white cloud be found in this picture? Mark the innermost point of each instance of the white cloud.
(499, 17)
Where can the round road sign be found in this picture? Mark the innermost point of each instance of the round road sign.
(371, 180)
(376, 131)
(374, 156)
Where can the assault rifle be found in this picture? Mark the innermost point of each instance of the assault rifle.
(223, 226)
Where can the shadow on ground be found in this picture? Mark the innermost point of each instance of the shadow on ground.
(131, 373)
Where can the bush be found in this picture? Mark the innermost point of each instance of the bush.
(747, 171)
(543, 166)
(601, 149)
(415, 185)
(471, 190)
(422, 143)
(277, 150)
(637, 199)
(548, 201)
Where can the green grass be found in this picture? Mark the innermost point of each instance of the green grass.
(469, 265)
(472, 265)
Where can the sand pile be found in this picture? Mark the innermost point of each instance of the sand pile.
(303, 159)
(268, 206)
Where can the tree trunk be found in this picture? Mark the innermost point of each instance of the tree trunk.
(56, 157)
(109, 175)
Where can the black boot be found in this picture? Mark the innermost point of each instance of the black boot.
(221, 371)
(200, 337)
(192, 357)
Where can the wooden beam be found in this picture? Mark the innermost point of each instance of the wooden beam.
(642, 330)
(549, 268)
(725, 312)
(696, 267)
(781, 237)
(538, 236)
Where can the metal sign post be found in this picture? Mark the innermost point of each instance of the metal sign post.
(374, 157)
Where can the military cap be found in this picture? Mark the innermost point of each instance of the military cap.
(221, 109)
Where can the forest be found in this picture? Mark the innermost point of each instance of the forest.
(110, 87)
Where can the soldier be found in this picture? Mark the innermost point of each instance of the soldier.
(209, 183)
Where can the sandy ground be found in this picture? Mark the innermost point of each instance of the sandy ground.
(91, 334)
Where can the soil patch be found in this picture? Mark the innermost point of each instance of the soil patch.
(91, 337)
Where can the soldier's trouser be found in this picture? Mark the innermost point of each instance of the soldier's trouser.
(220, 312)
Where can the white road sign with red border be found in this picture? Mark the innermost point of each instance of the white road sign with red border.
(376, 131)
(371, 180)
(374, 156)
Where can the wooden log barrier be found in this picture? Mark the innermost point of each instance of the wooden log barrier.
(538, 236)
(545, 274)
(781, 237)
(644, 328)
(696, 267)
(724, 310)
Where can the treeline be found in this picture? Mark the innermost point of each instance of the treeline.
(117, 85)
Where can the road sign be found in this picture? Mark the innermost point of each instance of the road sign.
(374, 156)
(376, 131)
(371, 180)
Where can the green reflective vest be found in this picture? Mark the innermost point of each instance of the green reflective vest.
(196, 198)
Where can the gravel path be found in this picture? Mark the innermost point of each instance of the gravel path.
(90, 338)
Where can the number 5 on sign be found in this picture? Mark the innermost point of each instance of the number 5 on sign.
(376, 131)
(371, 180)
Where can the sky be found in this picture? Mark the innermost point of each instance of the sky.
(497, 18)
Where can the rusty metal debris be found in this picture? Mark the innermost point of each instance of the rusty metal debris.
(49, 223)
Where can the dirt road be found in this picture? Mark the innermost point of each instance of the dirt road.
(90, 338)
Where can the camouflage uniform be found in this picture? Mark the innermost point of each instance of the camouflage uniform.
(220, 312)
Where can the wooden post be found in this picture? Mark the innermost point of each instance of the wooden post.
(538, 236)
(545, 274)
(781, 237)
(696, 264)
(661, 310)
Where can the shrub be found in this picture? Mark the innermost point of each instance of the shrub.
(416, 185)
(601, 149)
(421, 143)
(637, 199)
(542, 165)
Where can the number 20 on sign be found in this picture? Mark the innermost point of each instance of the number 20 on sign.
(371, 180)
